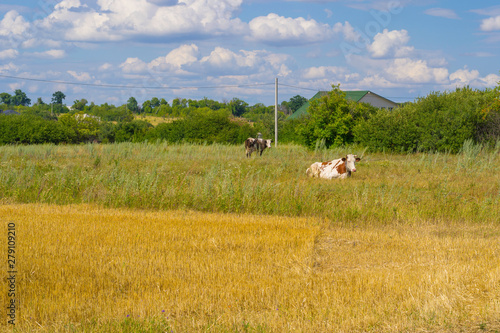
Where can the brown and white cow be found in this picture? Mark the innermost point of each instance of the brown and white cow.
(339, 168)
(259, 145)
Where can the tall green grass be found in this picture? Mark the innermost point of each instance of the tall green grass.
(387, 188)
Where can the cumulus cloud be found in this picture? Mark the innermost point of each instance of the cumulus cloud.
(442, 12)
(465, 76)
(82, 77)
(282, 30)
(176, 59)
(8, 54)
(390, 43)
(491, 24)
(106, 66)
(224, 58)
(347, 30)
(115, 20)
(174, 62)
(321, 72)
(13, 24)
(491, 80)
(406, 70)
(187, 60)
(54, 54)
(14, 29)
(134, 66)
(67, 4)
(7, 68)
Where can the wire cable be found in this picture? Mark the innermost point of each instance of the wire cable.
(136, 87)
(102, 85)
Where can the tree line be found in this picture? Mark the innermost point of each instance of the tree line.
(441, 121)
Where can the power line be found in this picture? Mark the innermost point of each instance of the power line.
(135, 87)
(290, 86)
(102, 85)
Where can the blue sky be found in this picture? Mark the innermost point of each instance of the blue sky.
(109, 50)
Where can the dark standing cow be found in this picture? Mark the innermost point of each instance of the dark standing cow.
(259, 145)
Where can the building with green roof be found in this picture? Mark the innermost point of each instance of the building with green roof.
(360, 96)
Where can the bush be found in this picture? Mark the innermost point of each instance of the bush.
(331, 119)
(29, 129)
(202, 126)
(134, 131)
(438, 122)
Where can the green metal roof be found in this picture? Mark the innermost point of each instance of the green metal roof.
(355, 95)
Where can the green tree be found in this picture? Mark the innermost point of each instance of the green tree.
(132, 105)
(329, 120)
(79, 104)
(437, 122)
(295, 103)
(237, 107)
(155, 102)
(146, 107)
(39, 101)
(58, 97)
(86, 127)
(5, 98)
(20, 98)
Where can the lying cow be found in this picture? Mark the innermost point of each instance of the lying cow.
(259, 145)
(340, 168)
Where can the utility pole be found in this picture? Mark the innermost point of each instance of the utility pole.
(276, 113)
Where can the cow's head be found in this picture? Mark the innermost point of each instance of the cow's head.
(268, 143)
(350, 161)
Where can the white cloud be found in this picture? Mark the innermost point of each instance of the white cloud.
(321, 72)
(176, 59)
(115, 20)
(82, 77)
(14, 29)
(13, 24)
(105, 66)
(7, 68)
(67, 4)
(223, 58)
(54, 54)
(491, 24)
(187, 60)
(406, 70)
(36, 42)
(491, 80)
(375, 81)
(390, 43)
(8, 54)
(133, 66)
(442, 12)
(463, 77)
(347, 30)
(283, 30)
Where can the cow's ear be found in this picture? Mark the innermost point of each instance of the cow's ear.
(343, 159)
(358, 159)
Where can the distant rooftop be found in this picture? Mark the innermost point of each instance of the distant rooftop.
(353, 95)
(7, 112)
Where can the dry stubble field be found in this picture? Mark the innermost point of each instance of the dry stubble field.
(399, 247)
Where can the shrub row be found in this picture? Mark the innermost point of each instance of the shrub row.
(438, 122)
(198, 127)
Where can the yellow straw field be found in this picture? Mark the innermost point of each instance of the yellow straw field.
(85, 268)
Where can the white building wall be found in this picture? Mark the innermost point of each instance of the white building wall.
(377, 101)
